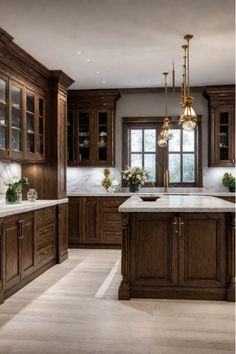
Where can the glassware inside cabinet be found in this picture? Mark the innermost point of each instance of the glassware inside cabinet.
(3, 116)
(84, 137)
(16, 117)
(102, 139)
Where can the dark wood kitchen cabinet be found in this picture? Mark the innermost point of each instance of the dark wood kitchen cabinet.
(19, 248)
(31, 243)
(221, 125)
(95, 221)
(169, 255)
(22, 122)
(91, 128)
(45, 238)
(62, 222)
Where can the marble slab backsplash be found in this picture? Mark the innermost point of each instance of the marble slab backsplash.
(88, 179)
(8, 170)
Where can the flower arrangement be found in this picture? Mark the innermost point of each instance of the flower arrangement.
(14, 188)
(229, 181)
(134, 177)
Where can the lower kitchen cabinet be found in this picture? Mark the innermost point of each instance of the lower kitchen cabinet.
(30, 243)
(19, 248)
(45, 236)
(95, 221)
(183, 255)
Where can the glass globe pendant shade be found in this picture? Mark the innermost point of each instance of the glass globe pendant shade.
(162, 141)
(188, 119)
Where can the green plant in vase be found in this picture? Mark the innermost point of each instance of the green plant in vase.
(134, 177)
(14, 189)
(229, 181)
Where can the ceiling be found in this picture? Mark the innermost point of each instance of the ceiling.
(125, 43)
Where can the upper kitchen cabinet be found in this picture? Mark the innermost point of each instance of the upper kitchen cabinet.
(221, 125)
(22, 115)
(91, 127)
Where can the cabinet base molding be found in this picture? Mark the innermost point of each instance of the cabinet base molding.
(218, 294)
(62, 258)
(95, 246)
(27, 280)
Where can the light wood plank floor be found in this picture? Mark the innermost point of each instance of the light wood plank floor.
(73, 309)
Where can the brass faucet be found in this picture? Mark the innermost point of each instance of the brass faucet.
(166, 180)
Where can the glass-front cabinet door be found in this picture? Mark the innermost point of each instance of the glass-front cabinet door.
(4, 151)
(103, 138)
(84, 138)
(224, 137)
(30, 124)
(40, 128)
(16, 121)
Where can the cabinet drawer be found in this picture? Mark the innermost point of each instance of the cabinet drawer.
(112, 203)
(45, 216)
(112, 219)
(111, 236)
(44, 235)
(45, 254)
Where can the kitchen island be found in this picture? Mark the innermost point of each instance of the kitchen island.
(179, 246)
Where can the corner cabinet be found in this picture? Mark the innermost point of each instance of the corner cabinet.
(22, 121)
(91, 128)
(221, 125)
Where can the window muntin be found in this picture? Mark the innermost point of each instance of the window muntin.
(142, 150)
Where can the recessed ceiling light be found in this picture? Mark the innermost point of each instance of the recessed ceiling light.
(79, 52)
(103, 81)
(98, 72)
(88, 60)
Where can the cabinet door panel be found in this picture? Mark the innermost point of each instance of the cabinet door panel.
(155, 251)
(27, 244)
(202, 251)
(62, 232)
(75, 221)
(12, 247)
(91, 222)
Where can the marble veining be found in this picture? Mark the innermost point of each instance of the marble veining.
(12, 209)
(177, 203)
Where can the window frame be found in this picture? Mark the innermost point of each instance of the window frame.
(162, 153)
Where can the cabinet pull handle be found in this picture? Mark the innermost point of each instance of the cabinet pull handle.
(175, 222)
(180, 224)
(20, 236)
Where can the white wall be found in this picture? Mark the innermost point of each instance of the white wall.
(148, 105)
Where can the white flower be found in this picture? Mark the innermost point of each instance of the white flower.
(130, 175)
(138, 177)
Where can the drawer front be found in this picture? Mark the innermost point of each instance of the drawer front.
(45, 216)
(44, 235)
(45, 254)
(110, 219)
(111, 236)
(112, 202)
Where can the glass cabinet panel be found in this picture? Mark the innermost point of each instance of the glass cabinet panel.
(102, 136)
(16, 118)
(224, 136)
(84, 137)
(41, 115)
(30, 122)
(3, 116)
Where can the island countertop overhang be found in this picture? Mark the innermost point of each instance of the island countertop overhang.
(177, 203)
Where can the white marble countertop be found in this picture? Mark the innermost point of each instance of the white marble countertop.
(12, 209)
(149, 191)
(177, 203)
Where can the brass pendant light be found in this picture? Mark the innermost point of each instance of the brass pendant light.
(188, 118)
(166, 132)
